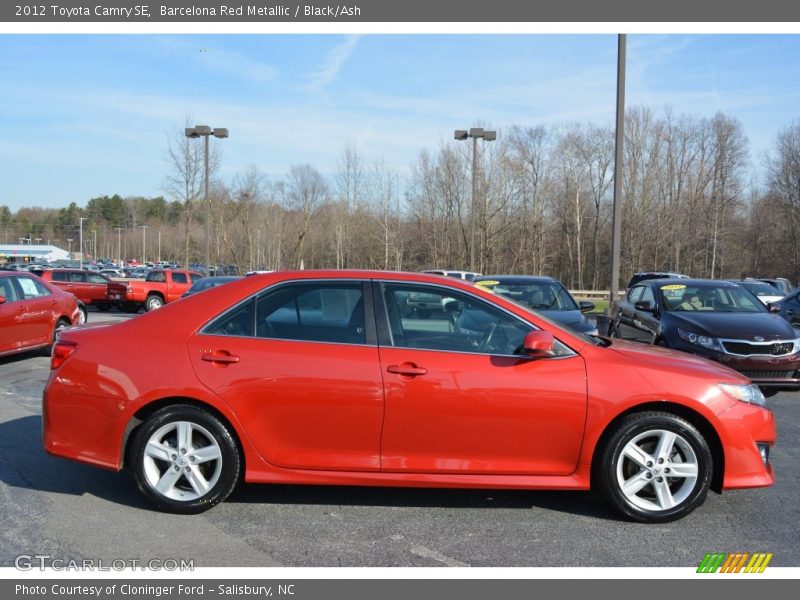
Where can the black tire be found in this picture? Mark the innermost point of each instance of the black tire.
(661, 342)
(153, 302)
(613, 330)
(62, 323)
(103, 307)
(645, 505)
(222, 478)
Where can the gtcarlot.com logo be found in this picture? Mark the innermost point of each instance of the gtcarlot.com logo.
(740, 562)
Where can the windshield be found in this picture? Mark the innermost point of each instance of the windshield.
(709, 297)
(762, 289)
(539, 295)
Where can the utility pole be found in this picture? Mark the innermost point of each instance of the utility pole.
(159, 245)
(144, 243)
(119, 246)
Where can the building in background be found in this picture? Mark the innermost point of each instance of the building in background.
(31, 253)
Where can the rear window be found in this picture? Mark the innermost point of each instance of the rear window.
(179, 278)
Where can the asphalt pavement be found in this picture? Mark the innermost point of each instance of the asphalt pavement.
(72, 511)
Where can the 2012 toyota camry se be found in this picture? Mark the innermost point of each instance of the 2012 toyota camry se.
(320, 377)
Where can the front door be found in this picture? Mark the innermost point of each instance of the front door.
(460, 398)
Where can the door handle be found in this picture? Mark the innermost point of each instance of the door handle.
(406, 368)
(220, 358)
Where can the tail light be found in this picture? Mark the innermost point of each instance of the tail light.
(61, 351)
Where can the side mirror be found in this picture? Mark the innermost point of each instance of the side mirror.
(645, 306)
(586, 306)
(450, 305)
(773, 307)
(538, 343)
(2, 299)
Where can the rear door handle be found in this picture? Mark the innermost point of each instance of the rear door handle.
(223, 358)
(409, 369)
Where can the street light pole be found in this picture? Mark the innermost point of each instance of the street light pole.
(616, 226)
(159, 245)
(487, 136)
(205, 132)
(80, 242)
(119, 246)
(69, 241)
(144, 242)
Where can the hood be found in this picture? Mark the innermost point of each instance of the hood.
(734, 326)
(574, 319)
(655, 357)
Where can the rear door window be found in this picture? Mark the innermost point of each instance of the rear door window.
(179, 278)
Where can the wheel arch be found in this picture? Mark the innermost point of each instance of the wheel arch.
(141, 415)
(702, 424)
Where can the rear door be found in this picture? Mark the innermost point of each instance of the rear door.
(299, 365)
(97, 288)
(178, 285)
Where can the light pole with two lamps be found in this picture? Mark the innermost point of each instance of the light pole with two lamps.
(475, 133)
(205, 132)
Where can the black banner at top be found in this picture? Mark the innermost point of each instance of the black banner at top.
(458, 11)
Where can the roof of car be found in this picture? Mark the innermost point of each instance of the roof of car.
(686, 281)
(519, 279)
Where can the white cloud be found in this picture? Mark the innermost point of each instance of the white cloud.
(334, 61)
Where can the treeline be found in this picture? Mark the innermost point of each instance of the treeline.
(695, 202)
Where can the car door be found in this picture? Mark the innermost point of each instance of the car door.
(627, 312)
(97, 285)
(458, 398)
(78, 286)
(178, 285)
(645, 323)
(11, 315)
(299, 365)
(37, 314)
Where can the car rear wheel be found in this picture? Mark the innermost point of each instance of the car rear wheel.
(655, 467)
(60, 325)
(83, 316)
(153, 302)
(185, 459)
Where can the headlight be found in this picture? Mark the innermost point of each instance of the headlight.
(697, 339)
(746, 393)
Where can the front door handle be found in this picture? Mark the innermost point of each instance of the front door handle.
(407, 368)
(223, 357)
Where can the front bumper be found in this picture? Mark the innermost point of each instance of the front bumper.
(775, 372)
(744, 427)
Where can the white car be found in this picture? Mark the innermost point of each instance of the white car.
(464, 275)
(763, 291)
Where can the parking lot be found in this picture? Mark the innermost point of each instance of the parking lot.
(67, 510)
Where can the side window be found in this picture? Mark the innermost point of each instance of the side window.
(95, 278)
(194, 277)
(432, 318)
(648, 296)
(179, 278)
(31, 288)
(635, 294)
(314, 311)
(237, 322)
(8, 290)
(60, 276)
(159, 277)
(77, 277)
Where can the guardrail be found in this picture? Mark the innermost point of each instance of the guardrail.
(594, 294)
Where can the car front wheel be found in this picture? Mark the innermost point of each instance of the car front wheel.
(185, 460)
(655, 467)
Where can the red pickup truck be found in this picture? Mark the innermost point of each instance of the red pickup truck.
(159, 288)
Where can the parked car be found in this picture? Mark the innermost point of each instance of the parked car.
(790, 307)
(33, 312)
(206, 283)
(546, 295)
(315, 377)
(718, 320)
(464, 275)
(779, 282)
(645, 275)
(765, 292)
(160, 287)
(113, 273)
(90, 288)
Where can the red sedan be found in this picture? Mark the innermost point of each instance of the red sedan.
(32, 312)
(319, 377)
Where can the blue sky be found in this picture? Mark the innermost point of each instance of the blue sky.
(85, 115)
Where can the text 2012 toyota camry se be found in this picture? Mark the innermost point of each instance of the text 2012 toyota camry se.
(319, 377)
